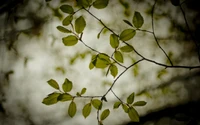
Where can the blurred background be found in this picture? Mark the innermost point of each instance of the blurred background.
(32, 52)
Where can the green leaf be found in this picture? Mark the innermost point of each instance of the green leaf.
(104, 114)
(114, 42)
(70, 40)
(63, 29)
(100, 4)
(53, 84)
(113, 70)
(125, 108)
(140, 103)
(51, 99)
(64, 97)
(118, 56)
(83, 91)
(133, 115)
(67, 85)
(127, 34)
(127, 22)
(67, 20)
(137, 20)
(67, 9)
(97, 104)
(86, 110)
(116, 105)
(72, 109)
(130, 98)
(127, 48)
(102, 60)
(84, 3)
(80, 24)
(91, 66)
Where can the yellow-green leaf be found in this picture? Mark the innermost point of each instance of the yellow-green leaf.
(125, 108)
(53, 83)
(114, 42)
(67, 9)
(83, 91)
(137, 20)
(67, 85)
(127, 48)
(51, 99)
(80, 24)
(84, 3)
(100, 4)
(72, 109)
(116, 105)
(118, 56)
(127, 34)
(113, 70)
(64, 97)
(63, 29)
(67, 20)
(133, 115)
(130, 98)
(105, 114)
(86, 110)
(97, 104)
(140, 103)
(70, 40)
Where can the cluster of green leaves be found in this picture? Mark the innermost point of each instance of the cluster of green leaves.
(128, 107)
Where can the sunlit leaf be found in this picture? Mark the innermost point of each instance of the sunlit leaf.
(70, 40)
(137, 20)
(91, 66)
(118, 56)
(127, 48)
(83, 91)
(125, 108)
(105, 114)
(65, 97)
(116, 105)
(72, 109)
(130, 98)
(140, 103)
(80, 24)
(97, 104)
(127, 34)
(86, 110)
(67, 9)
(67, 20)
(67, 85)
(133, 115)
(53, 83)
(63, 29)
(51, 99)
(100, 4)
(102, 60)
(127, 22)
(113, 70)
(114, 42)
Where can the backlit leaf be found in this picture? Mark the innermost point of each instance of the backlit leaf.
(83, 91)
(105, 114)
(97, 104)
(84, 3)
(133, 115)
(116, 105)
(127, 22)
(114, 42)
(51, 99)
(140, 103)
(127, 34)
(130, 98)
(86, 110)
(67, 85)
(67, 9)
(137, 20)
(102, 60)
(80, 24)
(53, 83)
(65, 97)
(113, 70)
(67, 20)
(72, 109)
(118, 56)
(125, 108)
(63, 29)
(127, 48)
(100, 4)
(70, 40)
